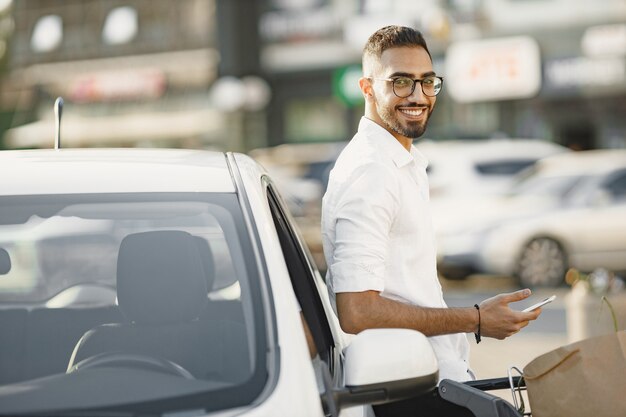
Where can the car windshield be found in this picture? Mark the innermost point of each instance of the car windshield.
(154, 293)
(506, 167)
(532, 183)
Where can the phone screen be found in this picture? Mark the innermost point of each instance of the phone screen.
(539, 304)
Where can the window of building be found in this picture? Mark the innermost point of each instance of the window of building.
(47, 34)
(121, 26)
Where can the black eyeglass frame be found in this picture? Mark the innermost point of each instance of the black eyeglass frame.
(415, 81)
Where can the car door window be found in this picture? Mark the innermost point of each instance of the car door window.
(617, 187)
(301, 274)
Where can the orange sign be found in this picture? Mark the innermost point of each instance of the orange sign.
(493, 69)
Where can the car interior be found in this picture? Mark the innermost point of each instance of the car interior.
(166, 318)
(161, 290)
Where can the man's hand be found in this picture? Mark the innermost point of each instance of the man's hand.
(497, 320)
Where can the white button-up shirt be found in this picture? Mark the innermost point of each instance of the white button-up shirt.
(378, 235)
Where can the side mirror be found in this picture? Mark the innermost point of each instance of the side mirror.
(386, 365)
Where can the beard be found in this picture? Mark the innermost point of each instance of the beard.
(412, 130)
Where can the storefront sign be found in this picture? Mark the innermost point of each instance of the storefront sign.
(605, 40)
(600, 74)
(118, 85)
(493, 69)
(315, 23)
(346, 85)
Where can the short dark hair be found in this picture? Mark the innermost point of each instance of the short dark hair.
(393, 37)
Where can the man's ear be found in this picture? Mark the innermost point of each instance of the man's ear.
(365, 84)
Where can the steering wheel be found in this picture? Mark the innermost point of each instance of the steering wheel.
(133, 360)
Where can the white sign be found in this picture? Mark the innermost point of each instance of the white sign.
(605, 40)
(493, 69)
(586, 72)
(118, 85)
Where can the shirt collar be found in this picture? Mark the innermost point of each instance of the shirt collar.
(390, 145)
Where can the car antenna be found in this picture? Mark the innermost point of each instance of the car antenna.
(58, 111)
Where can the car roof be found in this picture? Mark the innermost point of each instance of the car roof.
(77, 171)
(489, 149)
(583, 162)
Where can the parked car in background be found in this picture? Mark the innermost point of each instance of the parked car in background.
(300, 171)
(461, 168)
(457, 169)
(568, 210)
(174, 282)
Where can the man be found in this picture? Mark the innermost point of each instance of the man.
(377, 231)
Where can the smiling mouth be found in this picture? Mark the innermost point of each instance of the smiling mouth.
(413, 112)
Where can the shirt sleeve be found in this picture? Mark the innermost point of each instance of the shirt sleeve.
(364, 215)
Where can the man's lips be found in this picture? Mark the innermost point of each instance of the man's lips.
(412, 112)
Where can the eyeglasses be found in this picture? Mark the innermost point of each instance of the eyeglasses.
(405, 86)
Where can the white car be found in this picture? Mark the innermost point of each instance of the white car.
(567, 211)
(460, 168)
(173, 282)
(300, 171)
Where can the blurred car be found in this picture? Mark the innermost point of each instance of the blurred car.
(567, 211)
(172, 282)
(458, 168)
(300, 171)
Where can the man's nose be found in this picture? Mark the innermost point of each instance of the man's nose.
(417, 95)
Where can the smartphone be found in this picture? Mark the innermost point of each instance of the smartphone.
(539, 304)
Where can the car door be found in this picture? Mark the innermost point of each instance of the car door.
(600, 238)
(315, 305)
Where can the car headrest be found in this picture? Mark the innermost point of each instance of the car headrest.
(161, 277)
(208, 262)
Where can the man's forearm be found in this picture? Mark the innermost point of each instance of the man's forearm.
(365, 310)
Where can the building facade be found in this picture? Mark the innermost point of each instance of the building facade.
(130, 72)
(241, 74)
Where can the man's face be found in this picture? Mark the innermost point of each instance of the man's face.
(404, 117)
